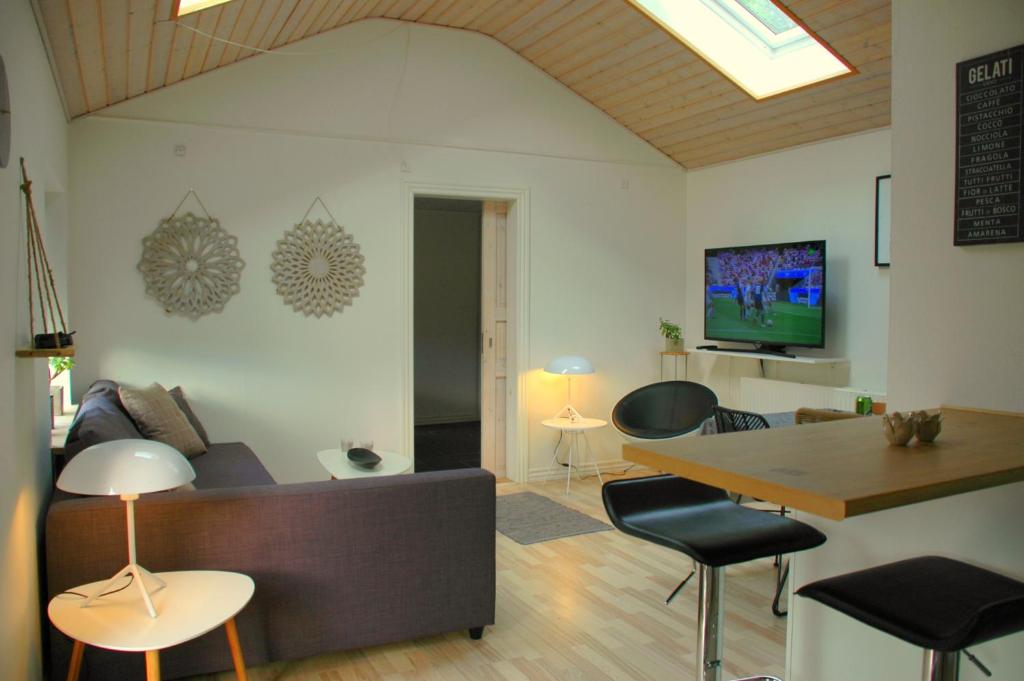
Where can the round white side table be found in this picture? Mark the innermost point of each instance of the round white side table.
(192, 604)
(337, 464)
(575, 430)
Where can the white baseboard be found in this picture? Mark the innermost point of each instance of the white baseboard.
(546, 473)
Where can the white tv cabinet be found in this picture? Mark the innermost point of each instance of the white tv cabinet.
(804, 380)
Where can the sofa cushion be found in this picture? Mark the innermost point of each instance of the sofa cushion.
(100, 418)
(178, 395)
(229, 464)
(159, 418)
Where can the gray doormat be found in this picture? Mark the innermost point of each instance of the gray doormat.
(528, 518)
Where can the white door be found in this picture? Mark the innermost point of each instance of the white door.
(493, 337)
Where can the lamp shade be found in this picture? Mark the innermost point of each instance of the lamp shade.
(569, 365)
(126, 467)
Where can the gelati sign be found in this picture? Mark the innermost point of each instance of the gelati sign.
(989, 104)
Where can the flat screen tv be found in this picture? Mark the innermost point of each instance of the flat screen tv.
(772, 296)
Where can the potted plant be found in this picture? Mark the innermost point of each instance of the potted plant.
(58, 365)
(673, 335)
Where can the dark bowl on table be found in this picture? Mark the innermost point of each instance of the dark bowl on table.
(363, 458)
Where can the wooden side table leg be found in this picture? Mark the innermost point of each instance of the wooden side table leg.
(236, 650)
(152, 665)
(75, 668)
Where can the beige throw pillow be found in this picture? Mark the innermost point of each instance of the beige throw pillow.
(159, 418)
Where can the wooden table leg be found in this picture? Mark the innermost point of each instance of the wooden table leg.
(152, 665)
(236, 650)
(75, 668)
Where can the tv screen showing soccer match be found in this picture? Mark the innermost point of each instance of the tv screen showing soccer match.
(769, 295)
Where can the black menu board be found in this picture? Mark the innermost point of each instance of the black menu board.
(989, 104)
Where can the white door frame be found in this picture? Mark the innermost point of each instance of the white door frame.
(518, 268)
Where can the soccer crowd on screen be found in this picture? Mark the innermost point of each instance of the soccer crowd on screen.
(755, 267)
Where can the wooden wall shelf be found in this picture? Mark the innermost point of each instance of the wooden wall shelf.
(68, 351)
(770, 357)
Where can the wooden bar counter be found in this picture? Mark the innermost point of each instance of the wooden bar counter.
(846, 468)
(876, 504)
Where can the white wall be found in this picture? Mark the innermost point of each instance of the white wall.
(955, 337)
(392, 81)
(956, 322)
(447, 261)
(265, 136)
(820, 191)
(40, 135)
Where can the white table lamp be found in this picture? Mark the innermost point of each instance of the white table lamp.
(569, 365)
(127, 468)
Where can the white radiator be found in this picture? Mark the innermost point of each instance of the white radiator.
(764, 396)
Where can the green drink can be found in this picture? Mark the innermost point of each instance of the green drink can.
(863, 404)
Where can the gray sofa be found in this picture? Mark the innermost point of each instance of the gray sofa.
(337, 564)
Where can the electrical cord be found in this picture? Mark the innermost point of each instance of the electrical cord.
(610, 473)
(561, 434)
(85, 673)
(131, 578)
(554, 454)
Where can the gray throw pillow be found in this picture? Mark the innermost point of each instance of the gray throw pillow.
(159, 418)
(179, 398)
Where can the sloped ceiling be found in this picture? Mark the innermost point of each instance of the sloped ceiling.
(606, 51)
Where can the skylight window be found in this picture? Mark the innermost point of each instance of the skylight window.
(765, 11)
(754, 43)
(183, 7)
(769, 29)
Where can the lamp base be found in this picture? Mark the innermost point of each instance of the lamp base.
(569, 412)
(138, 574)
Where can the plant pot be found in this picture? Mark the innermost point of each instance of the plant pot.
(56, 400)
(674, 346)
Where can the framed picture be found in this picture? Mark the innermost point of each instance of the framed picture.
(883, 220)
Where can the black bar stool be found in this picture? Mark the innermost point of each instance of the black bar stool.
(939, 604)
(703, 522)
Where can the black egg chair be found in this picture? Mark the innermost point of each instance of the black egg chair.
(665, 410)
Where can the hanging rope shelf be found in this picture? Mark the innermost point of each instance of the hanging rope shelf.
(68, 351)
(53, 341)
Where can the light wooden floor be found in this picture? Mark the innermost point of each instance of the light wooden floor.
(581, 608)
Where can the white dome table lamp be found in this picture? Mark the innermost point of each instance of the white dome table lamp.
(569, 365)
(127, 468)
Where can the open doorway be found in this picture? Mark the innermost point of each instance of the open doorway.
(447, 332)
(501, 340)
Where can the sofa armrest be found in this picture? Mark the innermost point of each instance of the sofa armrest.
(337, 564)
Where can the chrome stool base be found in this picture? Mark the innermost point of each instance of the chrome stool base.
(710, 621)
(941, 666)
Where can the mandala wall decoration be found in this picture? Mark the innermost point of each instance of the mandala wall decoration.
(191, 266)
(318, 268)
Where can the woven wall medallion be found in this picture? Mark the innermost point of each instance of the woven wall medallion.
(318, 268)
(191, 265)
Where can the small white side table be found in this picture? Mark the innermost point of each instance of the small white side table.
(573, 432)
(192, 604)
(337, 464)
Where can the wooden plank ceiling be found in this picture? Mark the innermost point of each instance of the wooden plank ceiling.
(606, 51)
